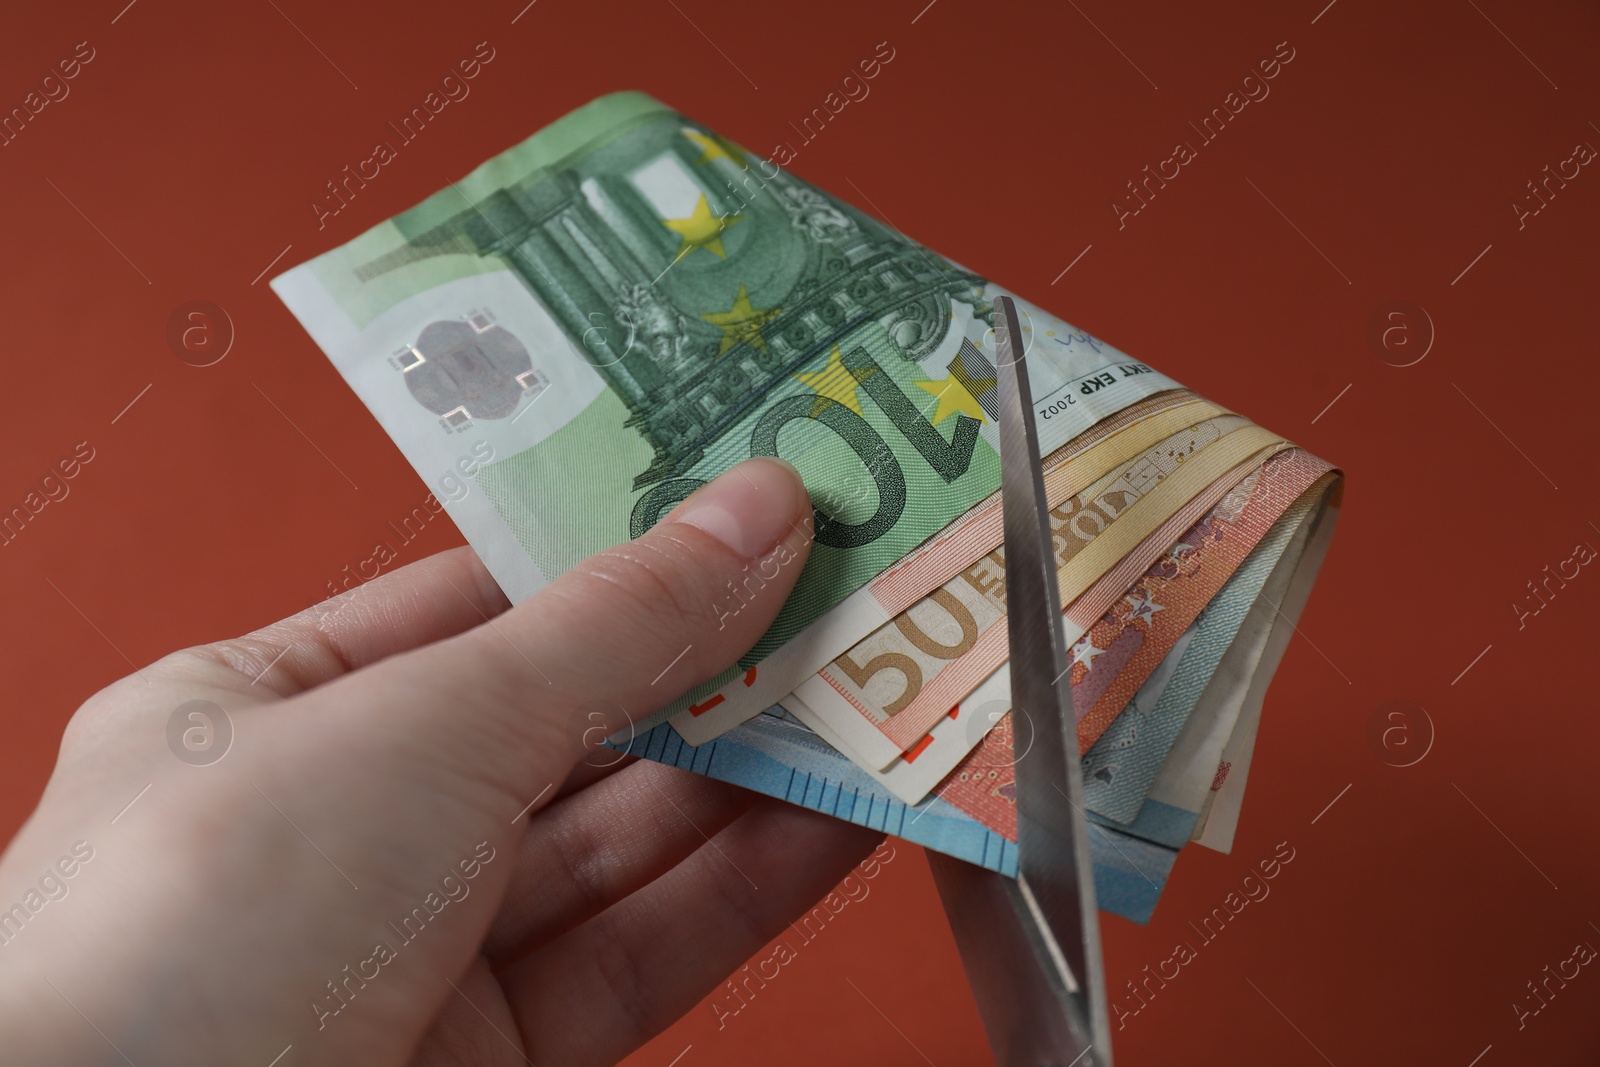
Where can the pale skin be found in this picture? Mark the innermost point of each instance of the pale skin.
(384, 741)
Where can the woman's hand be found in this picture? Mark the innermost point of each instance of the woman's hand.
(403, 856)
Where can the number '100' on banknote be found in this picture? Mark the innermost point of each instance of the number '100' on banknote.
(626, 304)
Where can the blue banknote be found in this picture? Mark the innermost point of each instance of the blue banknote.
(775, 755)
(1120, 767)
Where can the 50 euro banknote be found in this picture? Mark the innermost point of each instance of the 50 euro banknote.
(1156, 524)
(1066, 471)
(973, 815)
(864, 693)
(1207, 579)
(626, 304)
(920, 770)
(1161, 777)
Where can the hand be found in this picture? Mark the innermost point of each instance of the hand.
(401, 858)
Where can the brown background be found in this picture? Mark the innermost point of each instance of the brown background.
(1383, 164)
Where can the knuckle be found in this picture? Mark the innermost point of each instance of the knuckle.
(584, 864)
(664, 593)
(621, 973)
(739, 904)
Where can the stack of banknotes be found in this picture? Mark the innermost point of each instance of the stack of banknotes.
(571, 339)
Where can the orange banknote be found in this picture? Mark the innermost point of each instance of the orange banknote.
(937, 668)
(1155, 612)
(1118, 653)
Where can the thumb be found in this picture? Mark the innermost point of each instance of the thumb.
(628, 631)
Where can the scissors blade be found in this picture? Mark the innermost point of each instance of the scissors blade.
(1055, 872)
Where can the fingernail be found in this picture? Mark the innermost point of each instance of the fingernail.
(749, 508)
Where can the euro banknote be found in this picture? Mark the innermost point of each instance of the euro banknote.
(1068, 470)
(1220, 811)
(862, 692)
(1139, 630)
(777, 756)
(1183, 580)
(1086, 602)
(1148, 624)
(626, 304)
(1122, 763)
(1119, 768)
(984, 783)
(609, 314)
(1179, 792)
(918, 771)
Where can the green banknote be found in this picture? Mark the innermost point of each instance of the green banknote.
(572, 338)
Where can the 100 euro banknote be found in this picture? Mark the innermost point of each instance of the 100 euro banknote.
(625, 305)
(1067, 470)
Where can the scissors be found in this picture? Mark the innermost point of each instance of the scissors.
(1031, 946)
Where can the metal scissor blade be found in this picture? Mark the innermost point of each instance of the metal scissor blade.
(1014, 976)
(1055, 879)
(1031, 947)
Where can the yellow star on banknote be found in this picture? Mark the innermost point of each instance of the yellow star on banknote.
(742, 322)
(954, 396)
(834, 382)
(701, 229)
(713, 147)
